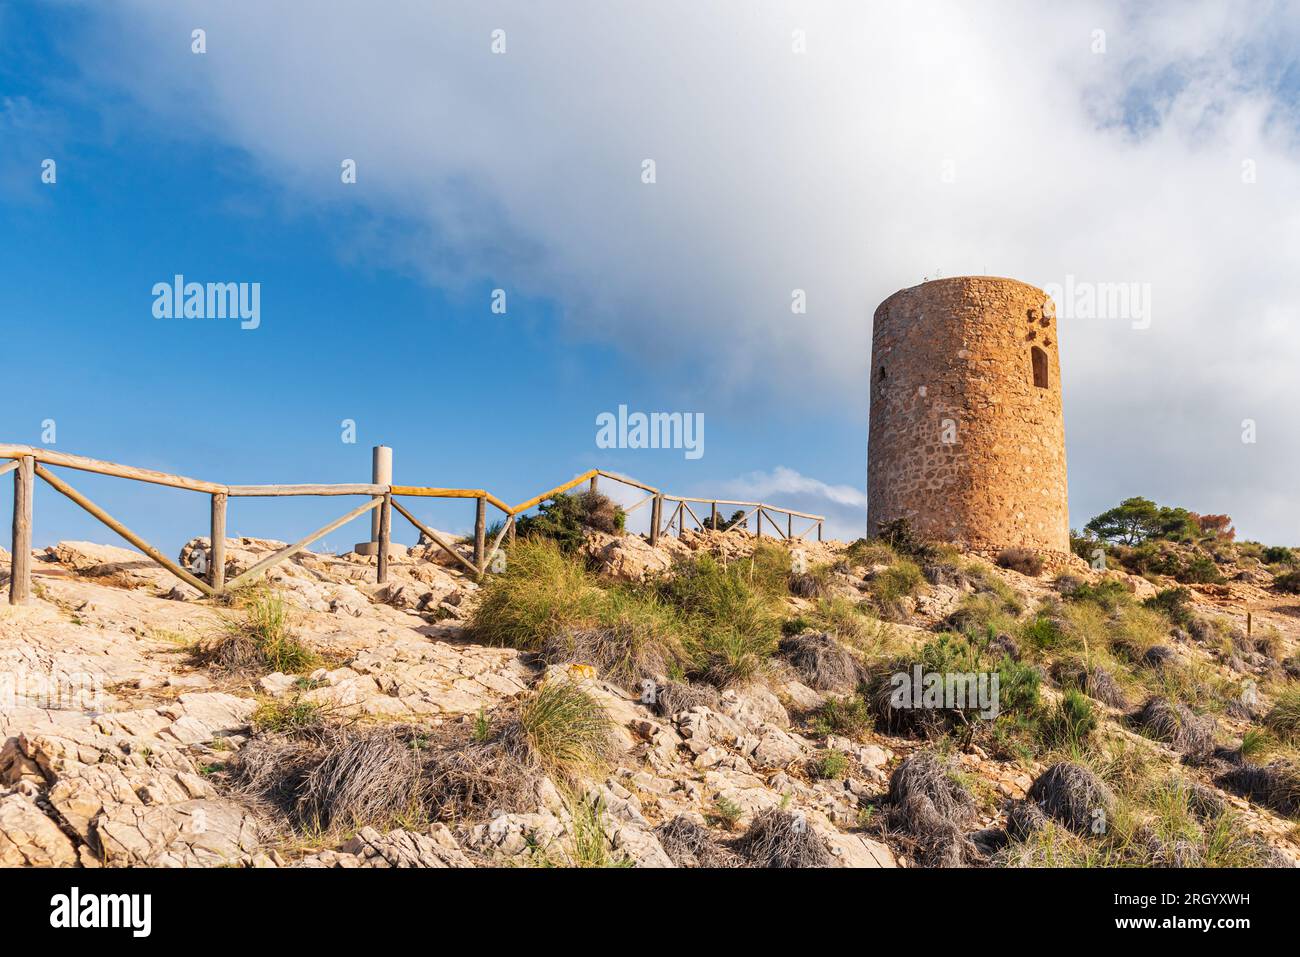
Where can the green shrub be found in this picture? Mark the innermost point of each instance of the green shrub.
(590, 847)
(1085, 545)
(1278, 555)
(1288, 582)
(565, 518)
(482, 731)
(702, 619)
(948, 652)
(541, 592)
(870, 551)
(831, 766)
(981, 614)
(1137, 520)
(727, 812)
(731, 615)
(1175, 604)
(900, 580)
(1018, 687)
(1134, 629)
(1042, 631)
(849, 622)
(283, 717)
(1108, 593)
(849, 716)
(722, 523)
(263, 639)
(1199, 569)
(1255, 742)
(1070, 723)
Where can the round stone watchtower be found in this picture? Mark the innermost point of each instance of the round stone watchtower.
(967, 438)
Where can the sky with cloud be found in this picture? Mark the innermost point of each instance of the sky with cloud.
(846, 149)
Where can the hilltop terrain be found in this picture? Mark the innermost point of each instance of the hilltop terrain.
(712, 701)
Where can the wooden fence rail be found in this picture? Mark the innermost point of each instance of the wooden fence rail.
(29, 463)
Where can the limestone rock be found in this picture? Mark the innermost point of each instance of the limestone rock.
(205, 833)
(30, 838)
(853, 850)
(369, 848)
(626, 557)
(511, 835)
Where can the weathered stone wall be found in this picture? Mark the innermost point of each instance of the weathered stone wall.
(963, 444)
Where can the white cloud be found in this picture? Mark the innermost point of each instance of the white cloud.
(819, 171)
(844, 506)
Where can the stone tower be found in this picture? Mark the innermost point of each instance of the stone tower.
(967, 439)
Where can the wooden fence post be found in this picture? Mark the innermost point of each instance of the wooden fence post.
(594, 480)
(217, 548)
(819, 531)
(713, 517)
(381, 473)
(480, 532)
(20, 571)
(385, 533)
(789, 526)
(655, 508)
(758, 522)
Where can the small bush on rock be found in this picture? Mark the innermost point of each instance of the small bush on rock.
(566, 518)
(263, 640)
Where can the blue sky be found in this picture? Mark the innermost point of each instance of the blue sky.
(521, 172)
(465, 397)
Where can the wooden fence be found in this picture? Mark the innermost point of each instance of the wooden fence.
(28, 463)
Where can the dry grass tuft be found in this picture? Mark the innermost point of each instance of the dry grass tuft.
(691, 845)
(822, 662)
(674, 697)
(1023, 560)
(932, 808)
(337, 778)
(814, 583)
(779, 838)
(1072, 795)
(1275, 785)
(565, 729)
(376, 775)
(1283, 719)
(623, 653)
(1177, 725)
(1024, 819)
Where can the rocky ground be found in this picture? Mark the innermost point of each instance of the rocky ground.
(115, 745)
